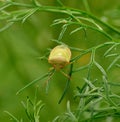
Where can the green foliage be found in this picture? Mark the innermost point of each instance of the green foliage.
(32, 110)
(95, 99)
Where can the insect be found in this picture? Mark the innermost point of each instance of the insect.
(59, 56)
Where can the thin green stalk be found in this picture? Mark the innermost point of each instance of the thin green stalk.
(23, 5)
(67, 84)
(90, 49)
(86, 5)
(12, 116)
(34, 81)
(76, 12)
(6, 5)
(93, 28)
(66, 10)
(107, 91)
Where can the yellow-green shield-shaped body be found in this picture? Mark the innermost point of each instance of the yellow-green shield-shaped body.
(59, 56)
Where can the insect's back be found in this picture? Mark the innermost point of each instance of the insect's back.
(60, 56)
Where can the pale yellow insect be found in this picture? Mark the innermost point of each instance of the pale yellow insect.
(59, 56)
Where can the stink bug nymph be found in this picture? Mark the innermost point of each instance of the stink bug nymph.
(59, 56)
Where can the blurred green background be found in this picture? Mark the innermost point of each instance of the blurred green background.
(21, 46)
